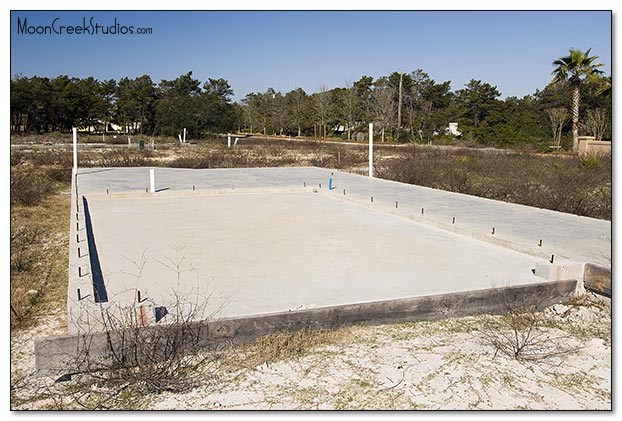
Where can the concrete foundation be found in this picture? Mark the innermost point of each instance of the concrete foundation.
(269, 252)
(59, 356)
(597, 279)
(246, 243)
(557, 272)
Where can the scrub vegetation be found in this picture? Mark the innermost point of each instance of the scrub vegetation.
(562, 182)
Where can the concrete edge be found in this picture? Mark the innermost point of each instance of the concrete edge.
(598, 279)
(135, 194)
(61, 355)
(79, 271)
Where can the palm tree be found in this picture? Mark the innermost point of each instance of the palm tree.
(573, 68)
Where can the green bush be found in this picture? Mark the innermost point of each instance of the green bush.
(591, 161)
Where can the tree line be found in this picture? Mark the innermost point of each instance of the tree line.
(41, 105)
(403, 107)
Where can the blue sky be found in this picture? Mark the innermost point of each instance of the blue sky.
(284, 50)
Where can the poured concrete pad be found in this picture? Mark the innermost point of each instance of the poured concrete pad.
(574, 237)
(269, 252)
(264, 240)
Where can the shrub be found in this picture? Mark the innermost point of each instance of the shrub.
(581, 186)
(29, 186)
(591, 161)
(524, 334)
(124, 158)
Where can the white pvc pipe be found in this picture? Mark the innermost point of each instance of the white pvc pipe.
(371, 150)
(228, 140)
(75, 149)
(151, 180)
(184, 135)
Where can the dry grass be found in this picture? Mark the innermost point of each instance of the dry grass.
(285, 346)
(39, 258)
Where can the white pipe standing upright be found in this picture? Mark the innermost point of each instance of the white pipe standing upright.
(371, 150)
(184, 135)
(151, 180)
(75, 150)
(228, 140)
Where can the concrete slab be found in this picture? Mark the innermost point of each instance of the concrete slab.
(565, 235)
(136, 180)
(574, 237)
(271, 252)
(265, 240)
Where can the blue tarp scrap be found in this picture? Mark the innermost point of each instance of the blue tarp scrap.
(160, 312)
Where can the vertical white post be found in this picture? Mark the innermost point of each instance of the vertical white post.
(75, 150)
(151, 180)
(184, 135)
(228, 140)
(179, 137)
(371, 150)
